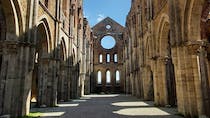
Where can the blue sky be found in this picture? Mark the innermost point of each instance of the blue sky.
(96, 10)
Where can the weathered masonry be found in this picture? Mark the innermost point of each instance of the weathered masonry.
(43, 53)
(167, 57)
(108, 61)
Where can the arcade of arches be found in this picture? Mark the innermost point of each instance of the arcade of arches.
(49, 53)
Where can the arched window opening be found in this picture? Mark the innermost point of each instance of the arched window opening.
(107, 58)
(108, 77)
(36, 57)
(99, 79)
(100, 58)
(117, 77)
(115, 58)
(46, 3)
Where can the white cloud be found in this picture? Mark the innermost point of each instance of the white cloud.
(100, 17)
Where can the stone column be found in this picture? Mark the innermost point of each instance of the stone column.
(10, 81)
(42, 100)
(202, 54)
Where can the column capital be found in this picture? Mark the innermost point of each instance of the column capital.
(197, 47)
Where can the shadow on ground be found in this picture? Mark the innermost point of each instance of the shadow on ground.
(107, 106)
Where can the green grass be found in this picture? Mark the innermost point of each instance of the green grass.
(32, 115)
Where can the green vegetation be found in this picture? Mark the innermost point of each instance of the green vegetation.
(32, 115)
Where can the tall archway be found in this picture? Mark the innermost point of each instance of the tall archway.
(165, 67)
(148, 74)
(62, 82)
(41, 90)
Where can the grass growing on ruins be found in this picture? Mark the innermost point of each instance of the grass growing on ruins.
(32, 115)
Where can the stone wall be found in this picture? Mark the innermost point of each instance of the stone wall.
(172, 42)
(107, 27)
(41, 53)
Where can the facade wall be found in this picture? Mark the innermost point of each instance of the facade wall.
(101, 30)
(173, 44)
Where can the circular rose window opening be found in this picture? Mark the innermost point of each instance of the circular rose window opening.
(108, 27)
(108, 42)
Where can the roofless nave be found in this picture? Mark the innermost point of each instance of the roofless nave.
(49, 53)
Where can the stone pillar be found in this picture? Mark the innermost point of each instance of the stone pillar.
(202, 54)
(132, 84)
(160, 82)
(63, 83)
(10, 81)
(87, 84)
(74, 82)
(42, 82)
(53, 82)
(47, 82)
(68, 81)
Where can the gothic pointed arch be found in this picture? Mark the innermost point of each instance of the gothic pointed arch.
(44, 52)
(194, 12)
(43, 25)
(14, 19)
(163, 28)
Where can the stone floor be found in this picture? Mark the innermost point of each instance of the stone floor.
(107, 106)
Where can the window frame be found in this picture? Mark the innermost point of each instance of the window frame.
(99, 76)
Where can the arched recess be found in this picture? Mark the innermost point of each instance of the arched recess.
(14, 19)
(62, 82)
(165, 66)
(46, 24)
(40, 87)
(148, 74)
